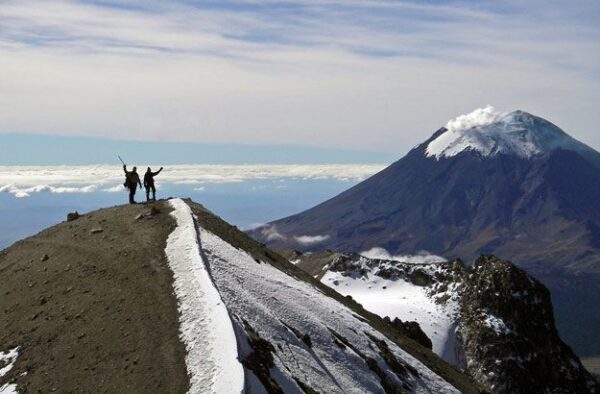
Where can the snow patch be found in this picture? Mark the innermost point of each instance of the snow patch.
(496, 324)
(9, 388)
(8, 359)
(422, 257)
(405, 301)
(205, 327)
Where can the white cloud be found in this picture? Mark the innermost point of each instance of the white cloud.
(18, 193)
(115, 189)
(311, 239)
(26, 192)
(271, 234)
(479, 117)
(422, 257)
(353, 74)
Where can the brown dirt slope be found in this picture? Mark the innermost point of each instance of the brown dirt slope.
(99, 315)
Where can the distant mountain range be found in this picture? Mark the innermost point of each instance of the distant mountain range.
(31, 149)
(515, 185)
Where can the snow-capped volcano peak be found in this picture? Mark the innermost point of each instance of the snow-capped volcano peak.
(490, 132)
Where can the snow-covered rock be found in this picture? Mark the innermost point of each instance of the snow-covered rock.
(492, 320)
(407, 291)
(490, 132)
(306, 339)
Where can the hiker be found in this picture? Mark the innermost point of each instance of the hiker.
(149, 183)
(132, 179)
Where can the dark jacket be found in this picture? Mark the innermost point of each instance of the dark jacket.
(132, 179)
(149, 177)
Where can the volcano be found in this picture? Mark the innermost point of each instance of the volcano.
(513, 185)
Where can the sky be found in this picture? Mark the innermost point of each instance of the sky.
(60, 150)
(370, 75)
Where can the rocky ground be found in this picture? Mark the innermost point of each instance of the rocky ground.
(89, 305)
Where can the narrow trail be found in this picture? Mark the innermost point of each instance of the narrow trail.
(205, 326)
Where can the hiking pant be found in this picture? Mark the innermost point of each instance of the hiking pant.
(150, 187)
(132, 194)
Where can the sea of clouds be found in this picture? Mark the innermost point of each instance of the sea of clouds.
(23, 181)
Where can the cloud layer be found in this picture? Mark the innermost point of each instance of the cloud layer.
(356, 74)
(22, 181)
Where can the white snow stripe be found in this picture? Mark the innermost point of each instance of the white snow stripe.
(205, 326)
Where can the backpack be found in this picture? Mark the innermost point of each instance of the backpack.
(128, 180)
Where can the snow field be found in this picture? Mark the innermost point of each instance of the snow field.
(407, 302)
(205, 327)
(275, 305)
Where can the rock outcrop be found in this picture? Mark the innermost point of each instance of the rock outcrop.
(510, 340)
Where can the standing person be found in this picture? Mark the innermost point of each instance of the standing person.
(149, 183)
(132, 180)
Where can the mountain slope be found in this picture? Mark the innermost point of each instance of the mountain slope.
(464, 205)
(273, 301)
(515, 186)
(106, 303)
(93, 311)
(493, 319)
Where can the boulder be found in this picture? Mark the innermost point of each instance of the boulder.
(72, 216)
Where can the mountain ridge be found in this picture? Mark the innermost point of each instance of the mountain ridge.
(71, 325)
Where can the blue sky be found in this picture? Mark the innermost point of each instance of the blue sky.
(43, 150)
(370, 75)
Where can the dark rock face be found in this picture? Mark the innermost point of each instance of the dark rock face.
(411, 329)
(72, 216)
(509, 337)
